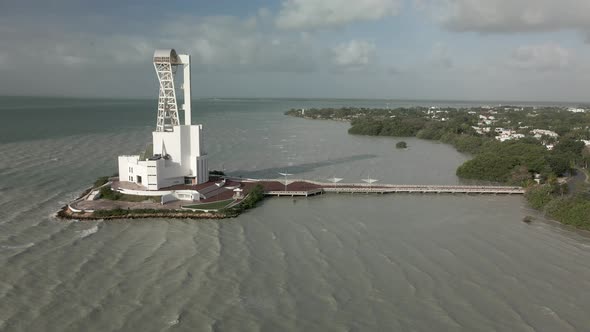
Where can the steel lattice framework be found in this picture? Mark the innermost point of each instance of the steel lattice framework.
(167, 105)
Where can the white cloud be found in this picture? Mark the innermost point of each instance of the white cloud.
(354, 54)
(507, 16)
(233, 44)
(311, 14)
(215, 43)
(544, 57)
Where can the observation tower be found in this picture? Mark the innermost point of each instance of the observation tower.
(177, 154)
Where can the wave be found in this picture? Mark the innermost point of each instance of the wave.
(87, 232)
(23, 246)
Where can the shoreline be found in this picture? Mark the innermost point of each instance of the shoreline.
(468, 171)
(66, 214)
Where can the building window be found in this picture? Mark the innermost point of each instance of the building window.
(131, 179)
(130, 169)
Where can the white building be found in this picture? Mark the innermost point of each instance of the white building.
(577, 110)
(178, 153)
(538, 133)
(507, 135)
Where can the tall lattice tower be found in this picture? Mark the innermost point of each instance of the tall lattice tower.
(166, 63)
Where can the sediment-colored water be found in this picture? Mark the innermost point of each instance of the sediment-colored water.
(329, 263)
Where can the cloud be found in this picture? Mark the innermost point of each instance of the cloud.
(354, 54)
(510, 16)
(234, 44)
(227, 44)
(441, 56)
(312, 14)
(544, 57)
(50, 43)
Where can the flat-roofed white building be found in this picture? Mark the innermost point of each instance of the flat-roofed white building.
(539, 133)
(178, 154)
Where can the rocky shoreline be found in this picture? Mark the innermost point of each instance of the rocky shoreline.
(67, 213)
(111, 210)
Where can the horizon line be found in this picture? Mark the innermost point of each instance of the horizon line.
(307, 98)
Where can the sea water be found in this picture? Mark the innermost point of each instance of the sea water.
(328, 263)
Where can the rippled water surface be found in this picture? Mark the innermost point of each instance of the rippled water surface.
(330, 263)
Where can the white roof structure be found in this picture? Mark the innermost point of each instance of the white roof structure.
(166, 55)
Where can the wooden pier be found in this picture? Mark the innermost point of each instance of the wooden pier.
(307, 188)
(430, 190)
(293, 193)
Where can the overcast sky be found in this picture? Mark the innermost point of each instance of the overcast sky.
(408, 49)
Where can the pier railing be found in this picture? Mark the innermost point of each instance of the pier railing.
(318, 187)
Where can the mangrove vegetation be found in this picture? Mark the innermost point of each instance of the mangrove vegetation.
(537, 148)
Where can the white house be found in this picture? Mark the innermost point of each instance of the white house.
(538, 133)
(507, 135)
(178, 154)
(577, 110)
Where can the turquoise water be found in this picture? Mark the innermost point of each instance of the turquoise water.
(331, 263)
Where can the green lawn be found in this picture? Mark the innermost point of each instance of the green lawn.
(108, 193)
(136, 198)
(210, 206)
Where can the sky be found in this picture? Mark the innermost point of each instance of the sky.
(521, 50)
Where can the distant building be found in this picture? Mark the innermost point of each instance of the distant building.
(577, 110)
(178, 154)
(507, 135)
(538, 133)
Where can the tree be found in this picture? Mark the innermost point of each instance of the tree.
(520, 175)
(539, 196)
(559, 163)
(569, 145)
(586, 156)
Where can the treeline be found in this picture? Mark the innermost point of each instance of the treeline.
(553, 200)
(349, 113)
(400, 127)
(516, 162)
(513, 162)
(560, 121)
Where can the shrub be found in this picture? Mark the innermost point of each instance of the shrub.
(101, 181)
(108, 193)
(253, 198)
(539, 196)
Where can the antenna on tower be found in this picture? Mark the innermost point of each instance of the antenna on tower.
(166, 64)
